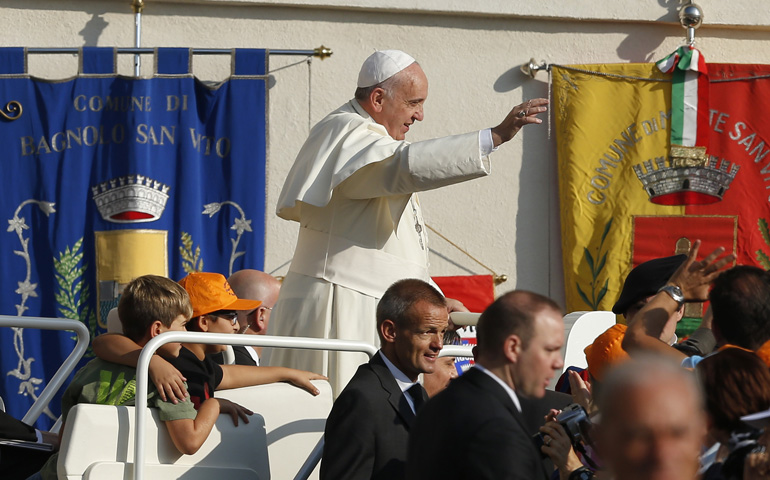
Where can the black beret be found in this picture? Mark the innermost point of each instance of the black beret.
(645, 280)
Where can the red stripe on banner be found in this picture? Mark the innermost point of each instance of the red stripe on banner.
(475, 291)
(657, 236)
(702, 136)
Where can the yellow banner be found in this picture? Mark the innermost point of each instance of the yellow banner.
(609, 118)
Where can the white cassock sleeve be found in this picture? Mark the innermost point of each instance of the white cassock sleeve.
(419, 167)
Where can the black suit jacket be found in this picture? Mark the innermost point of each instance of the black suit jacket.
(15, 429)
(368, 428)
(535, 409)
(18, 463)
(472, 430)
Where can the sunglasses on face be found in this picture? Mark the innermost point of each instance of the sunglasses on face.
(230, 315)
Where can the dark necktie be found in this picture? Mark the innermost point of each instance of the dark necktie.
(416, 392)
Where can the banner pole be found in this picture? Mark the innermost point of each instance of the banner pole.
(319, 52)
(137, 5)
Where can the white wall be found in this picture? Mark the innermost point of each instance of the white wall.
(471, 52)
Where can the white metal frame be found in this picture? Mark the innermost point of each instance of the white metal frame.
(142, 370)
(65, 369)
(304, 343)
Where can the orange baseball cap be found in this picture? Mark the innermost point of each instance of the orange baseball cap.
(210, 292)
(606, 351)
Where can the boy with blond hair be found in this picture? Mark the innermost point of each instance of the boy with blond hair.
(149, 306)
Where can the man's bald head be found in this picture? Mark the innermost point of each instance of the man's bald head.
(255, 285)
(653, 423)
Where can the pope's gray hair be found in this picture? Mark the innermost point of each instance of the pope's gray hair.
(389, 85)
(362, 93)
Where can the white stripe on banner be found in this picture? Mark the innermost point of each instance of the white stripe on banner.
(690, 115)
(667, 63)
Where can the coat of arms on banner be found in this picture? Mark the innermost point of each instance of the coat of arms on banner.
(128, 199)
(630, 192)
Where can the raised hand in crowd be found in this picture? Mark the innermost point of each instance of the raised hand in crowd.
(694, 278)
(581, 392)
(690, 283)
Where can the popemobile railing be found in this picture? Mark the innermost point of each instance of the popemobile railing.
(56, 382)
(302, 343)
(142, 370)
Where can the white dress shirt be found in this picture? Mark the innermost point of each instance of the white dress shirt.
(507, 388)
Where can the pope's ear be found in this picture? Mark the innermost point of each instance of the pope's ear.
(388, 331)
(376, 99)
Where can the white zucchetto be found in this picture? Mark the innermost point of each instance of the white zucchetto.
(381, 65)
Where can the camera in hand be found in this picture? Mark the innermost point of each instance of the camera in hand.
(574, 420)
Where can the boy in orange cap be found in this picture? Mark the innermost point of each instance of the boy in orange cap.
(215, 308)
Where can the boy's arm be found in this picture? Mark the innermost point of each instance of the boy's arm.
(236, 376)
(120, 349)
(189, 434)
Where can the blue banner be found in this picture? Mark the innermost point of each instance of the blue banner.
(106, 178)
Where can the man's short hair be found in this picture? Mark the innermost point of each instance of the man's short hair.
(397, 301)
(149, 298)
(511, 314)
(740, 301)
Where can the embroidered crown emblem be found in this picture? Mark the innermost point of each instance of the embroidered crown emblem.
(131, 199)
(688, 179)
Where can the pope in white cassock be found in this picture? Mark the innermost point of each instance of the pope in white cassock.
(353, 191)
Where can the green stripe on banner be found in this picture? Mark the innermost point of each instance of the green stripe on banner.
(677, 107)
(686, 54)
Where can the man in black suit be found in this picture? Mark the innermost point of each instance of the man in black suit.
(478, 417)
(368, 428)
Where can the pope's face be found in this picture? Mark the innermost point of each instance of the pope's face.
(404, 105)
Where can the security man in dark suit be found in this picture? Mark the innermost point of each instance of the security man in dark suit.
(368, 428)
(478, 417)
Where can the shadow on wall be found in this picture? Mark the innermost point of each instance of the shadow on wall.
(640, 46)
(93, 29)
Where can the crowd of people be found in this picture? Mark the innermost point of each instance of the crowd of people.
(648, 406)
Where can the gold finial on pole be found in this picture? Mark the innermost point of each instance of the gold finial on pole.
(137, 5)
(322, 52)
